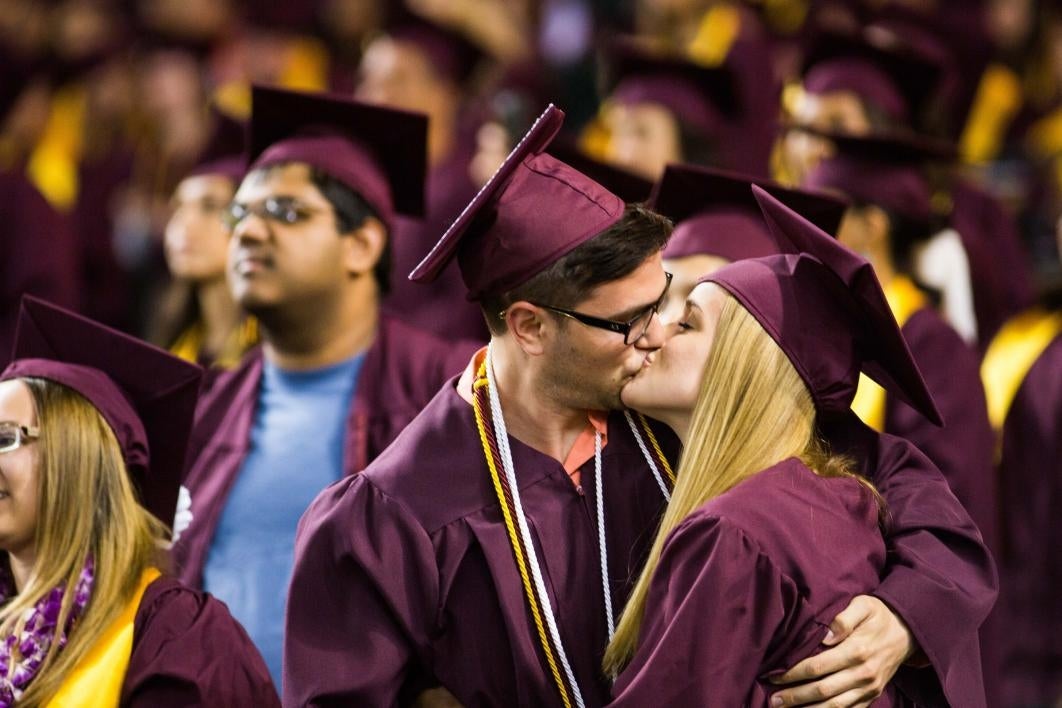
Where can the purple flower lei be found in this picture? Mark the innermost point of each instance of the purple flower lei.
(37, 635)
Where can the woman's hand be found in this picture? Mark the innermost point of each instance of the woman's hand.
(869, 644)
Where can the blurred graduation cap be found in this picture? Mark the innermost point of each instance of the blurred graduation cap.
(703, 99)
(225, 154)
(896, 80)
(715, 212)
(146, 395)
(533, 211)
(825, 308)
(628, 186)
(887, 170)
(452, 54)
(380, 153)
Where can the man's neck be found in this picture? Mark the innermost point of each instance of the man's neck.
(331, 333)
(532, 416)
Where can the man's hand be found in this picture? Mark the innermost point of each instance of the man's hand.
(869, 644)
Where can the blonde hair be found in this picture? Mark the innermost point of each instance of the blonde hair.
(86, 507)
(753, 411)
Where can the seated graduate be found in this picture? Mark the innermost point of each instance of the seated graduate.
(718, 221)
(768, 349)
(93, 431)
(198, 318)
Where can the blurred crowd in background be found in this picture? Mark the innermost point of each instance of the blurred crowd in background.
(108, 104)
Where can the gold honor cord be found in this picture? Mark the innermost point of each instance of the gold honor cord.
(490, 451)
(489, 439)
(656, 448)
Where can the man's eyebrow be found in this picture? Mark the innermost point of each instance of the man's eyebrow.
(631, 313)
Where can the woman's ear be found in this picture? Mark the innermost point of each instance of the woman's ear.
(365, 246)
(878, 227)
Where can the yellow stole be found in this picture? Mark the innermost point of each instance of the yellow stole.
(97, 679)
(904, 300)
(190, 343)
(1011, 354)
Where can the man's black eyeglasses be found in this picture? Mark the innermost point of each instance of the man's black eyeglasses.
(632, 330)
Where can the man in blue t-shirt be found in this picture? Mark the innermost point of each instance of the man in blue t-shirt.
(334, 381)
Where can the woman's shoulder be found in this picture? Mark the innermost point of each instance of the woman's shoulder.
(790, 501)
(187, 644)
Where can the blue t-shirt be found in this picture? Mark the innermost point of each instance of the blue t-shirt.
(296, 450)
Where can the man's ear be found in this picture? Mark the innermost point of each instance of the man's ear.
(364, 246)
(528, 325)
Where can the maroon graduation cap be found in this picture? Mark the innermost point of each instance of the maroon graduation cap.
(533, 211)
(887, 170)
(703, 99)
(715, 212)
(824, 307)
(896, 80)
(380, 153)
(224, 154)
(626, 185)
(452, 54)
(146, 395)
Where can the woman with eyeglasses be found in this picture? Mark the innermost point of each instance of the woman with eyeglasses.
(769, 533)
(93, 427)
(197, 318)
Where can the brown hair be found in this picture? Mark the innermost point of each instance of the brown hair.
(613, 254)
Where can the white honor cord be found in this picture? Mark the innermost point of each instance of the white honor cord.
(648, 457)
(599, 491)
(502, 436)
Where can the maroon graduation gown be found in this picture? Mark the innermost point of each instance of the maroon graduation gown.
(38, 254)
(403, 369)
(999, 267)
(1031, 565)
(439, 307)
(747, 586)
(189, 651)
(404, 576)
(963, 449)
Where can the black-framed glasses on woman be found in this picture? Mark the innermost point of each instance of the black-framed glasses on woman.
(632, 330)
(14, 436)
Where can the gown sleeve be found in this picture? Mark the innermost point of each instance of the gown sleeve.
(188, 650)
(940, 578)
(363, 588)
(714, 607)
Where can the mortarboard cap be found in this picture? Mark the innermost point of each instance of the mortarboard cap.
(452, 54)
(224, 155)
(885, 170)
(533, 211)
(903, 84)
(626, 185)
(715, 212)
(146, 395)
(825, 308)
(702, 98)
(380, 153)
